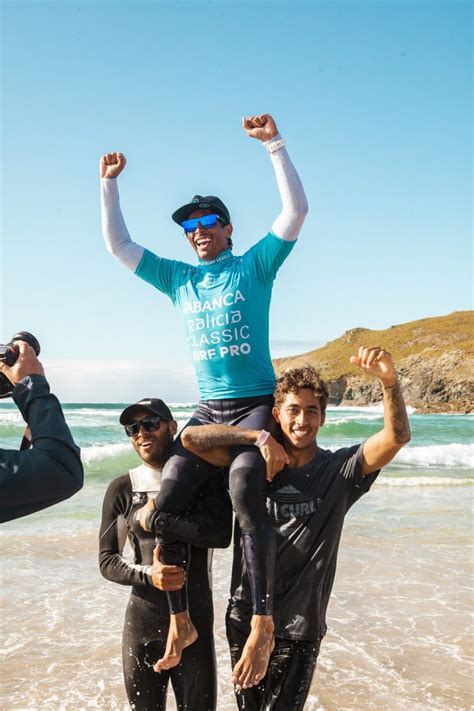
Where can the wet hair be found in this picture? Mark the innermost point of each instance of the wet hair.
(294, 379)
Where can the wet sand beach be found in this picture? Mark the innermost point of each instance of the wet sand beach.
(398, 637)
(400, 630)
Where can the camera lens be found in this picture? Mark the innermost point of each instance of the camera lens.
(9, 354)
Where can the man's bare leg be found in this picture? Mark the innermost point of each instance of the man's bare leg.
(253, 663)
(181, 634)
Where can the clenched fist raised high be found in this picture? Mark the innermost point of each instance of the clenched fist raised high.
(261, 127)
(112, 164)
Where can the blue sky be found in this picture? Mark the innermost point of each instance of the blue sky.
(373, 99)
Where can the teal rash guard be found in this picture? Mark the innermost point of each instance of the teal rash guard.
(224, 302)
(225, 306)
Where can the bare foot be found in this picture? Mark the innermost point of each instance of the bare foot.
(181, 634)
(253, 663)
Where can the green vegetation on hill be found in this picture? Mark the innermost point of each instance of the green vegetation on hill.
(434, 358)
(431, 336)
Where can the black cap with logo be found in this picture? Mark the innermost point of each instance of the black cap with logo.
(202, 202)
(153, 405)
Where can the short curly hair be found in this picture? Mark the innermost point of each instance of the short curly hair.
(294, 379)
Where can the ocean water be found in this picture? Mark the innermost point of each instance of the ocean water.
(400, 630)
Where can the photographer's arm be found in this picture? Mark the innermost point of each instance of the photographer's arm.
(51, 471)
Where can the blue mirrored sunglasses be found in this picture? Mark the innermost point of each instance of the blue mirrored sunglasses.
(204, 220)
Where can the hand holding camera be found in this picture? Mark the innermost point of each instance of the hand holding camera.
(17, 360)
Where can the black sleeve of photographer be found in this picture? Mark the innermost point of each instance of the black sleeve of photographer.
(51, 470)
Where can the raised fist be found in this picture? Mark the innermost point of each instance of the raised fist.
(378, 362)
(112, 164)
(262, 127)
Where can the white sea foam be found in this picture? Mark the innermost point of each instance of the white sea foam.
(181, 414)
(366, 408)
(436, 455)
(447, 455)
(91, 418)
(424, 481)
(10, 418)
(444, 455)
(103, 451)
(98, 417)
(89, 423)
(91, 410)
(355, 418)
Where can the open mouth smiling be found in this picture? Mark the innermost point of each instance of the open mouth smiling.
(203, 241)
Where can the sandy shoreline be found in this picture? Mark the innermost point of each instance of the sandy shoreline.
(398, 620)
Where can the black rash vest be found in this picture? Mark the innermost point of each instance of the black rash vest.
(208, 525)
(307, 505)
(51, 470)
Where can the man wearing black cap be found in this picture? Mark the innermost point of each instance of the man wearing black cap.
(151, 428)
(225, 303)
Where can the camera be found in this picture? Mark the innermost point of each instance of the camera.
(9, 353)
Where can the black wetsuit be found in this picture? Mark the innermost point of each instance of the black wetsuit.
(184, 473)
(51, 470)
(208, 525)
(307, 506)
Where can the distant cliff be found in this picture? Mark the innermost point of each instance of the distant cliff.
(434, 358)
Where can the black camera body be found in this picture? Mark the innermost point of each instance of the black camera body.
(9, 353)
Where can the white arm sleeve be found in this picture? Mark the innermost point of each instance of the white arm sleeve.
(294, 203)
(114, 229)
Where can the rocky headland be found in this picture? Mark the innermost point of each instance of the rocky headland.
(434, 358)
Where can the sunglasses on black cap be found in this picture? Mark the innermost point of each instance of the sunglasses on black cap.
(149, 424)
